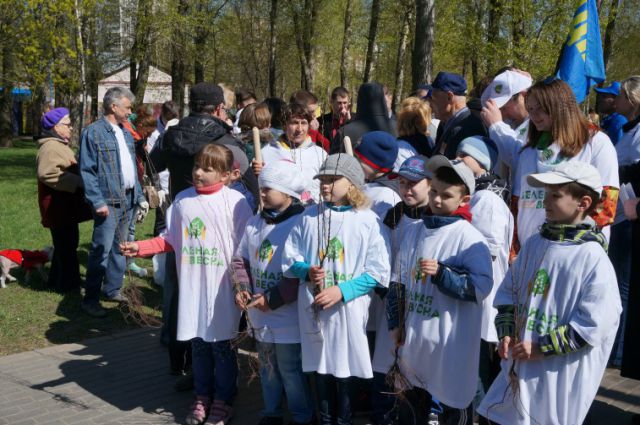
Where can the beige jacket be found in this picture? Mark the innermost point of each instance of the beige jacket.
(53, 159)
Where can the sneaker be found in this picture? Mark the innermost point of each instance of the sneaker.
(220, 413)
(136, 269)
(93, 309)
(118, 297)
(270, 420)
(199, 411)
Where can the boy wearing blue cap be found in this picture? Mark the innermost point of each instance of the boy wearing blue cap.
(401, 221)
(491, 216)
(605, 105)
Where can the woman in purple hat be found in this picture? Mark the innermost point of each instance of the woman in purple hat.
(61, 198)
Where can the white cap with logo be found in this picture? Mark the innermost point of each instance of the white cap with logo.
(567, 172)
(504, 86)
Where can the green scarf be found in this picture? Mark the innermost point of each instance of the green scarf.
(576, 233)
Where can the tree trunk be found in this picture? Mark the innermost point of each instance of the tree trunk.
(94, 67)
(6, 98)
(141, 51)
(493, 30)
(371, 47)
(610, 30)
(273, 20)
(346, 39)
(200, 42)
(304, 23)
(518, 34)
(422, 60)
(402, 53)
(178, 68)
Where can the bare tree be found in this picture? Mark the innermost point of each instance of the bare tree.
(273, 20)
(346, 39)
(422, 60)
(493, 29)
(371, 47)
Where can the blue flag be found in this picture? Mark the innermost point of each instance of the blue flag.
(581, 63)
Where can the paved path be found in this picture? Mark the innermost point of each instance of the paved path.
(124, 379)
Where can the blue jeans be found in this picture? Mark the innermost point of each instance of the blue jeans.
(620, 256)
(281, 369)
(106, 264)
(335, 398)
(215, 370)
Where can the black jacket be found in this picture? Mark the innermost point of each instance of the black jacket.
(180, 143)
(372, 116)
(421, 143)
(456, 129)
(326, 124)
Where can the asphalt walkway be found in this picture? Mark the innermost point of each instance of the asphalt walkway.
(124, 379)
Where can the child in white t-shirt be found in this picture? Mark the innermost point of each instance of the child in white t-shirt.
(296, 146)
(270, 299)
(558, 309)
(337, 249)
(443, 270)
(492, 217)
(402, 221)
(204, 226)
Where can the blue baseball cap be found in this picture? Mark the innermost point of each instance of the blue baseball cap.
(447, 81)
(415, 168)
(613, 89)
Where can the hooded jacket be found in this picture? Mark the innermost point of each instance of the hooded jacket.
(372, 116)
(180, 143)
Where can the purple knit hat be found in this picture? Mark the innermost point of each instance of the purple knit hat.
(53, 117)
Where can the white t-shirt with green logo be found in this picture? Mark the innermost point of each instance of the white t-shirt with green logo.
(334, 341)
(204, 231)
(442, 344)
(491, 216)
(559, 283)
(384, 353)
(263, 244)
(599, 152)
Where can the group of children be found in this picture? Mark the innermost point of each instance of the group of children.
(340, 247)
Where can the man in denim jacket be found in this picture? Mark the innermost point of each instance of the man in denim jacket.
(107, 167)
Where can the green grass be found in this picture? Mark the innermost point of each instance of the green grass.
(32, 316)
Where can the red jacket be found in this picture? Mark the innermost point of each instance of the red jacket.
(319, 139)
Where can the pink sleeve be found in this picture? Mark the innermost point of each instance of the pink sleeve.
(153, 246)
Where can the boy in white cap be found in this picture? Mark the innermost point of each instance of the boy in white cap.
(492, 217)
(559, 309)
(270, 298)
(445, 268)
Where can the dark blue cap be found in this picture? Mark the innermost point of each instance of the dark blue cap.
(378, 149)
(447, 81)
(415, 168)
(613, 89)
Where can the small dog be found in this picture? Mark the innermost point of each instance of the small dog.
(28, 260)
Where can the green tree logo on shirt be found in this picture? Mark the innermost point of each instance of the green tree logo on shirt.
(196, 229)
(265, 252)
(539, 285)
(335, 251)
(418, 276)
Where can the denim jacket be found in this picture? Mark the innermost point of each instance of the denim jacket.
(100, 165)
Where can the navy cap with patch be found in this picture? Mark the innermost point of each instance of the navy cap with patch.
(415, 168)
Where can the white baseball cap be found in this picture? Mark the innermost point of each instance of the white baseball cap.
(504, 87)
(567, 172)
(461, 169)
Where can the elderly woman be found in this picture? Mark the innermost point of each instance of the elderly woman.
(60, 197)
